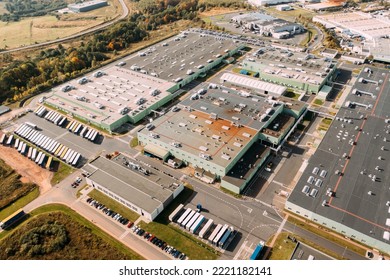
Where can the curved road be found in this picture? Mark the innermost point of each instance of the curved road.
(82, 33)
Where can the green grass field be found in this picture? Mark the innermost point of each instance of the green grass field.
(27, 31)
(283, 247)
(84, 239)
(318, 102)
(63, 171)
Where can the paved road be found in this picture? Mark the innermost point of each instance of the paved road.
(82, 33)
(325, 243)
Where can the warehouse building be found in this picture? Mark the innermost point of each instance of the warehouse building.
(141, 84)
(267, 25)
(295, 70)
(144, 191)
(87, 6)
(112, 97)
(217, 129)
(345, 186)
(4, 109)
(368, 25)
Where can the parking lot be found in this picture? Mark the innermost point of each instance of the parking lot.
(143, 235)
(87, 149)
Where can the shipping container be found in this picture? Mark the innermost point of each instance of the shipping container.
(32, 125)
(34, 154)
(10, 138)
(61, 122)
(183, 216)
(206, 228)
(83, 131)
(172, 217)
(256, 253)
(16, 143)
(48, 163)
(192, 221)
(197, 224)
(41, 160)
(29, 153)
(64, 152)
(38, 157)
(219, 235)
(188, 218)
(76, 160)
(215, 232)
(2, 139)
(11, 219)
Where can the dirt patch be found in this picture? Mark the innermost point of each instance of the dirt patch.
(29, 171)
(218, 11)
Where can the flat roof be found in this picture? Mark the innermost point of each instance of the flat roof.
(255, 84)
(303, 251)
(303, 67)
(362, 23)
(198, 133)
(246, 165)
(356, 144)
(116, 89)
(87, 3)
(4, 109)
(146, 191)
(174, 57)
(234, 106)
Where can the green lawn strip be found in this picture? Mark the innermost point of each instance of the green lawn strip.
(20, 203)
(236, 195)
(283, 247)
(134, 142)
(79, 192)
(63, 171)
(326, 121)
(94, 229)
(182, 241)
(174, 236)
(339, 239)
(113, 205)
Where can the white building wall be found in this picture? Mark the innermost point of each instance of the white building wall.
(333, 225)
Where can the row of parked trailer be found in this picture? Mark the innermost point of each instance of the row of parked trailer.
(73, 126)
(48, 144)
(193, 221)
(38, 157)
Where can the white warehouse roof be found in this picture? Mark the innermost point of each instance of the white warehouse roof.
(252, 83)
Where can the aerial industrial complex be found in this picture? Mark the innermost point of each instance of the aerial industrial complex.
(215, 127)
(345, 185)
(146, 192)
(214, 135)
(132, 90)
(296, 70)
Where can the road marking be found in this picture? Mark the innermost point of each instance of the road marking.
(124, 234)
(60, 136)
(248, 209)
(124, 141)
(240, 250)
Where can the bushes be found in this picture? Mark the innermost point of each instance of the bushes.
(11, 188)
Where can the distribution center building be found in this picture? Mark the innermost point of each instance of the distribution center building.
(215, 127)
(142, 83)
(295, 70)
(87, 6)
(146, 192)
(345, 186)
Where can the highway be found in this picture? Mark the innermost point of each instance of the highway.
(125, 13)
